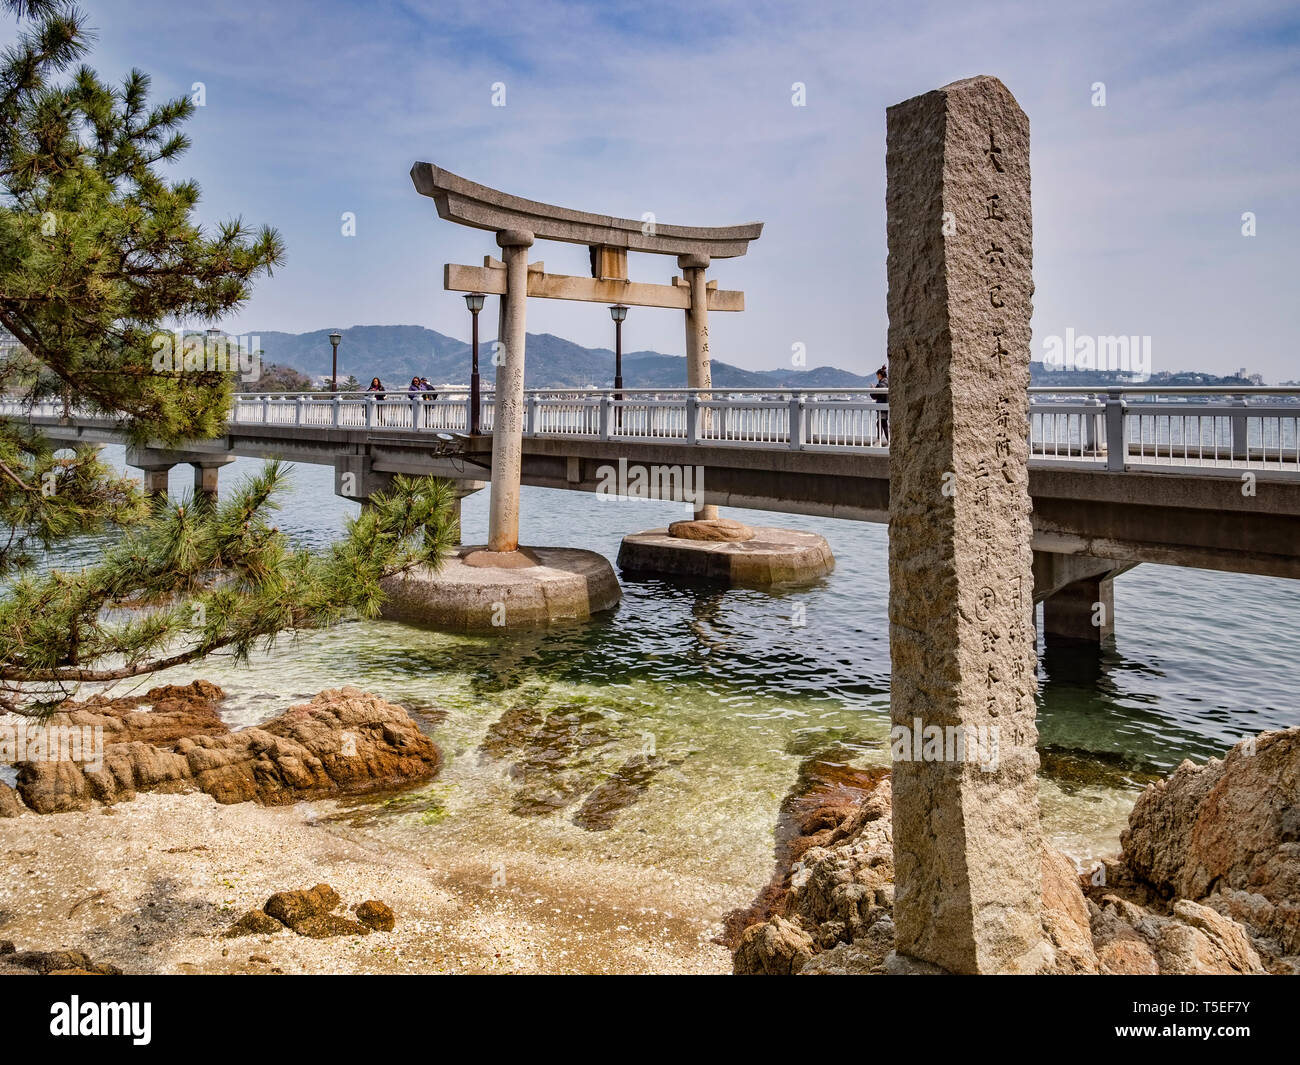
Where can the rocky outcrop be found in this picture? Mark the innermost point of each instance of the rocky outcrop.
(1226, 835)
(829, 907)
(311, 913)
(10, 804)
(343, 741)
(834, 879)
(54, 962)
(1190, 939)
(254, 923)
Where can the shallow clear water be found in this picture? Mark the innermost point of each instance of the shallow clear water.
(731, 694)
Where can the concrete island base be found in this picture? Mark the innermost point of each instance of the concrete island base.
(484, 591)
(769, 557)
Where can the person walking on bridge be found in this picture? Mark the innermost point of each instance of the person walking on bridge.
(377, 387)
(882, 382)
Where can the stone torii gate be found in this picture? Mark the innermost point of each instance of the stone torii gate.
(518, 223)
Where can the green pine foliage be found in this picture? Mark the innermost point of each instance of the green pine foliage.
(198, 577)
(99, 253)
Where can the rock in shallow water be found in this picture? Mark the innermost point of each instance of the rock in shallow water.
(344, 741)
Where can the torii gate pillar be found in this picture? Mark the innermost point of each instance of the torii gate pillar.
(508, 416)
(698, 373)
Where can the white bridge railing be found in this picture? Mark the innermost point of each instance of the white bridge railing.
(1113, 429)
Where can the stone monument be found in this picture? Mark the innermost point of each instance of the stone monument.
(966, 828)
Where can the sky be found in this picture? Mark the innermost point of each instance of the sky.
(686, 108)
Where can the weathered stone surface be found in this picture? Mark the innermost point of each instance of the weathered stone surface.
(343, 741)
(291, 907)
(1065, 916)
(1191, 940)
(377, 915)
(716, 529)
(328, 925)
(1227, 834)
(773, 556)
(835, 897)
(966, 840)
(253, 923)
(484, 591)
(10, 804)
(774, 948)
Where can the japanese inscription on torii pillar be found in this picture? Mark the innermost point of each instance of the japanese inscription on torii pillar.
(518, 222)
(966, 829)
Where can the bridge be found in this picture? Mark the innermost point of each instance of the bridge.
(1181, 476)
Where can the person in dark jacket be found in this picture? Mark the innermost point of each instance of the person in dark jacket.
(882, 381)
(377, 387)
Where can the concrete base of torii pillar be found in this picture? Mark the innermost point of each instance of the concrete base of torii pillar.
(728, 552)
(479, 590)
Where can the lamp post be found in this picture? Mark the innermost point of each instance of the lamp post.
(334, 373)
(618, 312)
(474, 301)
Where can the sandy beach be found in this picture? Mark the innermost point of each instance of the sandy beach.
(150, 885)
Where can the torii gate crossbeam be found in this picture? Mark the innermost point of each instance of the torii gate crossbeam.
(517, 223)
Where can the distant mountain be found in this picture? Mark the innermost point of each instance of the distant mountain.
(396, 353)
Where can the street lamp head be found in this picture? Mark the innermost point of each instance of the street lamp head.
(335, 338)
(618, 312)
(213, 331)
(474, 301)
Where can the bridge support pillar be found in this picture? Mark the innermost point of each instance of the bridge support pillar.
(207, 472)
(463, 489)
(1078, 596)
(356, 478)
(699, 374)
(156, 464)
(155, 480)
(1082, 612)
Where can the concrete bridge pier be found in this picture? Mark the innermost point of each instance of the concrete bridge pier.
(1078, 596)
(156, 464)
(356, 478)
(207, 472)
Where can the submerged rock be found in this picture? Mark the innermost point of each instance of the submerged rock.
(627, 784)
